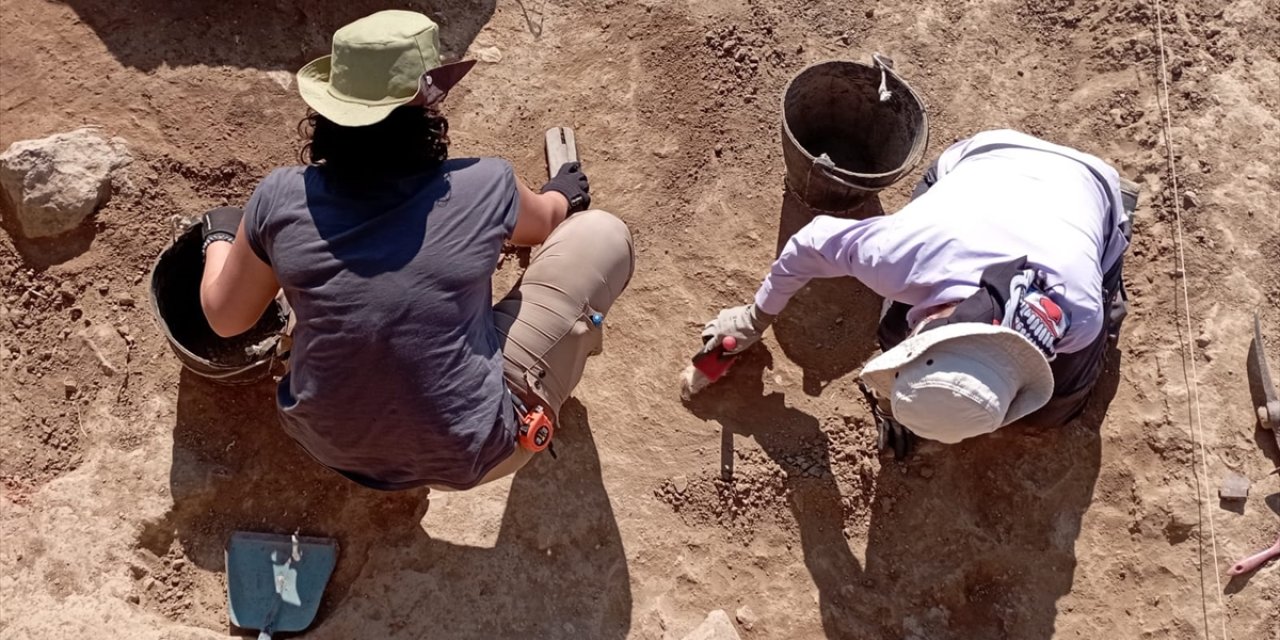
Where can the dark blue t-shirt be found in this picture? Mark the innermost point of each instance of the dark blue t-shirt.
(395, 377)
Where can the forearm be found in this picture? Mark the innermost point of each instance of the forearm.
(539, 215)
(215, 259)
(825, 248)
(235, 288)
(214, 294)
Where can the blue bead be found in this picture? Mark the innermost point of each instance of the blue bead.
(597, 319)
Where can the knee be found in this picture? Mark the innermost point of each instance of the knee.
(604, 223)
(605, 228)
(610, 239)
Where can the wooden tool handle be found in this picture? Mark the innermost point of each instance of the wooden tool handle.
(562, 148)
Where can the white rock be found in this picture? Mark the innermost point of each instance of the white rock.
(491, 55)
(282, 78)
(746, 617)
(54, 183)
(717, 626)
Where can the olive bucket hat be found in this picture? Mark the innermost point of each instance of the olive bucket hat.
(379, 62)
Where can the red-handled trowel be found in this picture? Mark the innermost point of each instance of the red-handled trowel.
(709, 365)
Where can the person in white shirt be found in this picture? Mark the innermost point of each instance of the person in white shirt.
(1002, 284)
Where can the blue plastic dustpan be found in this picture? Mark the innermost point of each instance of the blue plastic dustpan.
(274, 582)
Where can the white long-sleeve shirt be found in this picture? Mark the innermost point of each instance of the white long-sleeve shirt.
(999, 196)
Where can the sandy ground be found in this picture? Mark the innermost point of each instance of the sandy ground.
(123, 476)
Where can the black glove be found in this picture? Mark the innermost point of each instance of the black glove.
(890, 434)
(572, 183)
(220, 224)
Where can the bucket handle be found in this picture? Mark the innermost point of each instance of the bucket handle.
(178, 225)
(828, 169)
(885, 64)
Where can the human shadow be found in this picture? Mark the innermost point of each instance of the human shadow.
(147, 34)
(794, 440)
(822, 327)
(974, 540)
(558, 563)
(977, 540)
(557, 570)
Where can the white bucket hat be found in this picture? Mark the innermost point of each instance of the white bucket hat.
(961, 380)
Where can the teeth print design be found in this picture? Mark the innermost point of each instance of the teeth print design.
(1041, 321)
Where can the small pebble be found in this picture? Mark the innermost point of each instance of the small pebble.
(125, 300)
(746, 617)
(132, 598)
(1190, 199)
(1203, 341)
(681, 483)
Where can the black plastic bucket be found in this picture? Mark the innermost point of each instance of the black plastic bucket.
(175, 302)
(848, 131)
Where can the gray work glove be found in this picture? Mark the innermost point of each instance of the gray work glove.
(746, 324)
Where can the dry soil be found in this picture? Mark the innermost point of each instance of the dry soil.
(121, 476)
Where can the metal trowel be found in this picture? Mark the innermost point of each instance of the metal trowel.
(274, 582)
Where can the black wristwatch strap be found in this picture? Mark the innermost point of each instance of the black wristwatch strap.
(216, 236)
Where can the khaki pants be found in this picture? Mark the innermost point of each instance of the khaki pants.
(545, 321)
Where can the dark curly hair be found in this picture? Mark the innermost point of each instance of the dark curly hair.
(411, 140)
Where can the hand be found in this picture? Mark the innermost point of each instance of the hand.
(746, 324)
(571, 183)
(890, 434)
(220, 224)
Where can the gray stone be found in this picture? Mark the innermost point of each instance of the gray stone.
(1234, 487)
(54, 183)
(717, 626)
